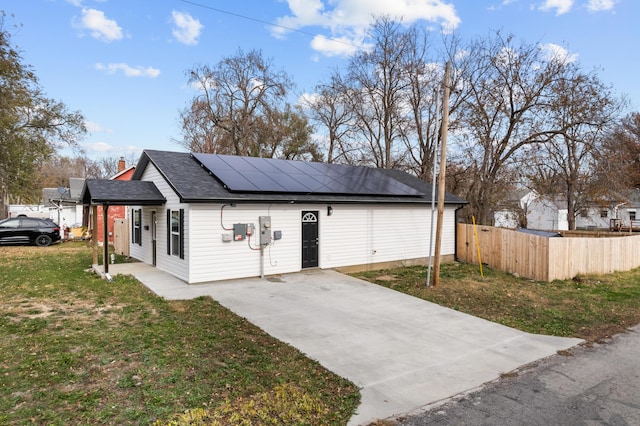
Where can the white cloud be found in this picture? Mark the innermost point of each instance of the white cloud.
(187, 29)
(558, 53)
(339, 46)
(308, 99)
(99, 25)
(93, 127)
(348, 20)
(502, 4)
(600, 5)
(561, 6)
(97, 146)
(128, 70)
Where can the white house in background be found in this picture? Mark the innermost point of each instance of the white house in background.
(544, 213)
(209, 217)
(511, 213)
(552, 214)
(64, 204)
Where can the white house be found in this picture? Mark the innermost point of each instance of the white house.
(64, 205)
(545, 213)
(213, 217)
(551, 214)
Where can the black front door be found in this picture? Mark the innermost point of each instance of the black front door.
(309, 239)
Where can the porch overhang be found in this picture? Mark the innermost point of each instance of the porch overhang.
(121, 193)
(106, 192)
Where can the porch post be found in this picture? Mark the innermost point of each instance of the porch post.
(105, 237)
(94, 235)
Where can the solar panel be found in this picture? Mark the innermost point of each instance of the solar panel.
(251, 174)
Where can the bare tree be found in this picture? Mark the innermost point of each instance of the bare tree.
(329, 107)
(507, 87)
(423, 100)
(583, 110)
(377, 82)
(289, 137)
(383, 109)
(57, 169)
(241, 108)
(619, 162)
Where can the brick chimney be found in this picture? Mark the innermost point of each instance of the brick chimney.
(121, 164)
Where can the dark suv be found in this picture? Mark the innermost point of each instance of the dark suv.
(29, 230)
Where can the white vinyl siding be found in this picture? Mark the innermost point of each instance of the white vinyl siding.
(169, 263)
(356, 235)
(352, 235)
(214, 259)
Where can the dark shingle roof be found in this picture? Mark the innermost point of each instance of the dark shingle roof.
(193, 183)
(422, 186)
(121, 192)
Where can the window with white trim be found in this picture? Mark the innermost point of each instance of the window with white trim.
(136, 226)
(175, 233)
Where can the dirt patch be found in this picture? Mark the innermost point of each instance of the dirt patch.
(74, 310)
(387, 278)
(602, 334)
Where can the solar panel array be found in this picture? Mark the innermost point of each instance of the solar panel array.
(252, 174)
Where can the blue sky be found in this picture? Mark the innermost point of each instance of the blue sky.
(122, 63)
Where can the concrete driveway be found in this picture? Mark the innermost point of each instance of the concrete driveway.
(403, 352)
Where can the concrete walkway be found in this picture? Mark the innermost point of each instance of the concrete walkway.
(403, 352)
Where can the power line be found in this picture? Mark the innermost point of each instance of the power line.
(249, 18)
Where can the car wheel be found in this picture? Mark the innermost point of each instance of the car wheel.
(43, 240)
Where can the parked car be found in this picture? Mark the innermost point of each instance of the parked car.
(29, 230)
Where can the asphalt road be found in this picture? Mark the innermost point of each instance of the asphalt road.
(597, 385)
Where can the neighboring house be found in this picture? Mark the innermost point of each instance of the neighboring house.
(512, 213)
(115, 212)
(529, 210)
(65, 207)
(548, 214)
(627, 214)
(544, 213)
(206, 217)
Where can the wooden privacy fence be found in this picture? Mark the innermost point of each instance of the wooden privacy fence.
(547, 259)
(121, 236)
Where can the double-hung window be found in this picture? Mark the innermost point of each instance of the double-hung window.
(136, 226)
(175, 233)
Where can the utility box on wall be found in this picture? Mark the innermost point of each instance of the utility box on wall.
(239, 231)
(265, 229)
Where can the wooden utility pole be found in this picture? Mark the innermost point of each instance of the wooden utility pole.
(443, 168)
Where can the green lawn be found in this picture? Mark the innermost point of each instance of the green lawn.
(76, 349)
(590, 307)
